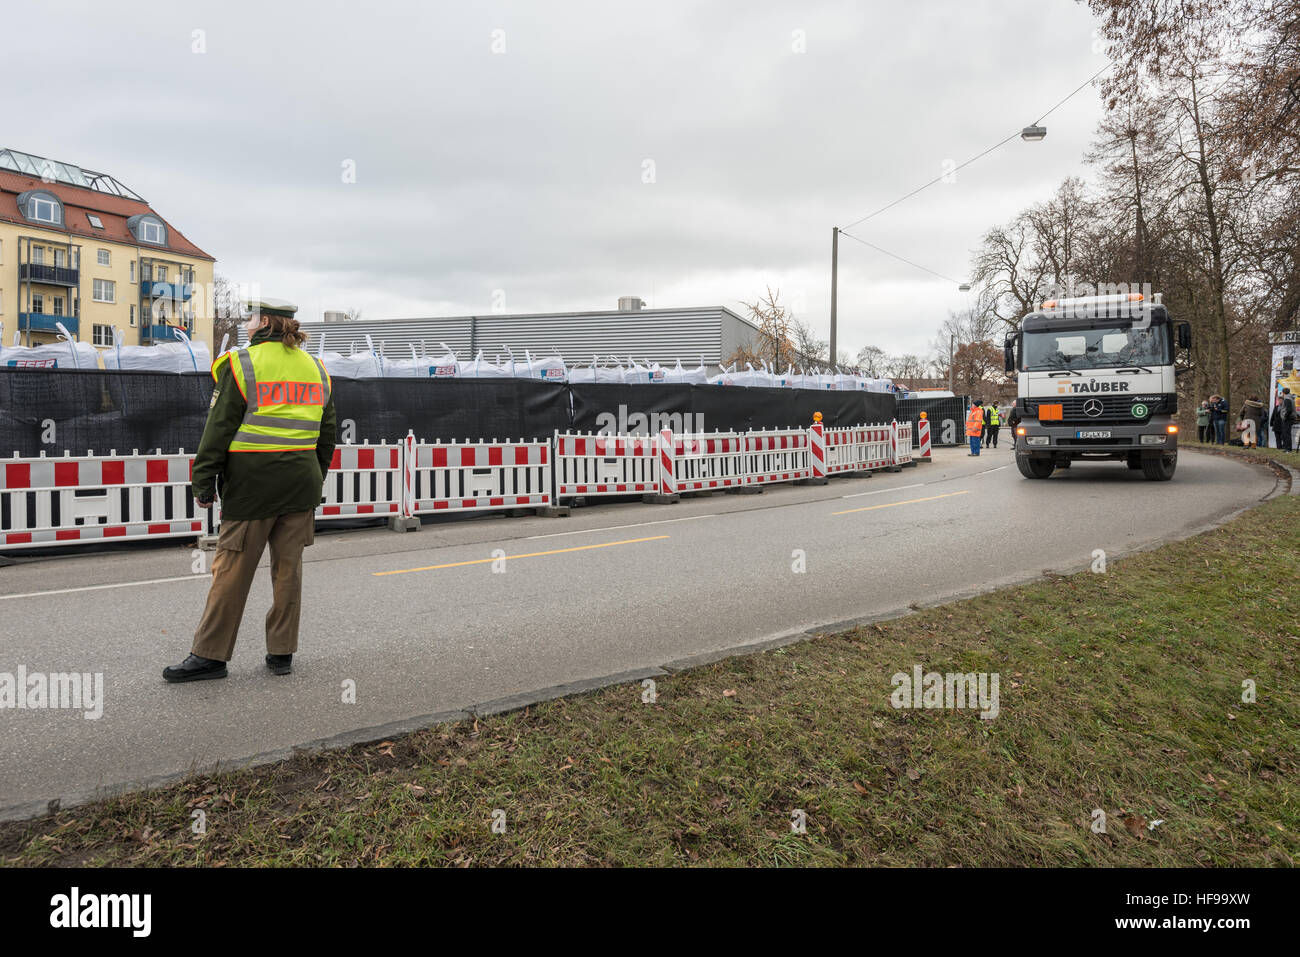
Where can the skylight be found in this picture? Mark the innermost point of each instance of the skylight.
(53, 171)
(95, 221)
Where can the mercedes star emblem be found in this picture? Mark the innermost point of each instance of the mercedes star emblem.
(1093, 407)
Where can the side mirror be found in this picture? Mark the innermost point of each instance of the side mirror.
(1184, 335)
(1009, 354)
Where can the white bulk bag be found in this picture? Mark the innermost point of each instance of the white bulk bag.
(725, 377)
(444, 365)
(550, 369)
(696, 376)
(480, 368)
(64, 354)
(165, 357)
(56, 355)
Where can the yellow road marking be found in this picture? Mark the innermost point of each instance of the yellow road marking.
(557, 551)
(910, 501)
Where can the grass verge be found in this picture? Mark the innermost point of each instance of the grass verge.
(1120, 692)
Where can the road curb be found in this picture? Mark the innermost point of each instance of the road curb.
(1279, 468)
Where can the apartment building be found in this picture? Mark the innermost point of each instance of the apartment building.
(81, 250)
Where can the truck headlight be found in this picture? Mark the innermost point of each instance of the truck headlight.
(1038, 440)
(1153, 440)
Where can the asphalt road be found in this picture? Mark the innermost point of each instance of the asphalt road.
(485, 613)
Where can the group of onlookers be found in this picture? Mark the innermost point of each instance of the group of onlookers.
(1253, 421)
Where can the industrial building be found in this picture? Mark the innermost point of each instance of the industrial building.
(711, 334)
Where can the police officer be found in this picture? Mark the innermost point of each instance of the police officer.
(993, 418)
(268, 442)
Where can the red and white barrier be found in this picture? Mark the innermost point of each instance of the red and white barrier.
(900, 437)
(923, 440)
(777, 455)
(604, 465)
(706, 461)
(476, 476)
(46, 501)
(68, 500)
(363, 480)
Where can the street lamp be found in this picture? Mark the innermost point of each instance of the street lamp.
(1032, 134)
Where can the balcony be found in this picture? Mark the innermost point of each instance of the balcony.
(154, 289)
(45, 322)
(51, 275)
(161, 333)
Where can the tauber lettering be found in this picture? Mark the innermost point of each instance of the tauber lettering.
(1092, 385)
(290, 393)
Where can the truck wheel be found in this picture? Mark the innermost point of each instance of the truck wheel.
(1034, 468)
(1159, 468)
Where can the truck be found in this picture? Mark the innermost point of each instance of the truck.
(1096, 381)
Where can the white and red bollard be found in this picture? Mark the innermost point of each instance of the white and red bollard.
(817, 451)
(923, 440)
(666, 462)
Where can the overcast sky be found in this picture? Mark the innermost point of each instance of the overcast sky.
(504, 146)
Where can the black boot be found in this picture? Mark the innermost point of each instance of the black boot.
(195, 668)
(280, 664)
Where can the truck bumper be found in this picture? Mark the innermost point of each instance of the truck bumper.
(1121, 442)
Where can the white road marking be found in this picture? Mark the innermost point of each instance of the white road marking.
(611, 528)
(896, 488)
(990, 471)
(69, 591)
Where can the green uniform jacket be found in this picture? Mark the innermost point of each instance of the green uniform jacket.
(257, 484)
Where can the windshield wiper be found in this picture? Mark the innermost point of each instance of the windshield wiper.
(1133, 370)
(1053, 375)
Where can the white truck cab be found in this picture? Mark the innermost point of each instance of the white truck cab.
(1096, 381)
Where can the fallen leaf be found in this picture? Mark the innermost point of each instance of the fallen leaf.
(913, 775)
(729, 693)
(1135, 823)
(859, 788)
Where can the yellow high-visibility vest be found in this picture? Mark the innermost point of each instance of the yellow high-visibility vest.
(994, 417)
(286, 391)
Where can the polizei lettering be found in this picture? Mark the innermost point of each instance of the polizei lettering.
(290, 393)
(1092, 385)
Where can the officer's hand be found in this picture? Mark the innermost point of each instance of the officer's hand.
(202, 503)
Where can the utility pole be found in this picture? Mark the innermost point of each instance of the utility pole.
(835, 273)
(951, 338)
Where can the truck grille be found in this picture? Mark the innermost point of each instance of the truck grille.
(1115, 409)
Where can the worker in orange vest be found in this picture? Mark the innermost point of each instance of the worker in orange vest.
(975, 425)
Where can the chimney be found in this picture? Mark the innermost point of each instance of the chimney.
(630, 303)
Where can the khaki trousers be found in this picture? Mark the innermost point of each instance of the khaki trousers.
(239, 549)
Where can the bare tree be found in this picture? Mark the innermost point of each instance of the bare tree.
(773, 344)
(810, 349)
(874, 361)
(227, 311)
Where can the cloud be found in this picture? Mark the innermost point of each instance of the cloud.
(523, 170)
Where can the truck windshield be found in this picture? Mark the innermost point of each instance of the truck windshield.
(1071, 349)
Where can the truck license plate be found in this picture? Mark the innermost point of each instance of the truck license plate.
(1093, 435)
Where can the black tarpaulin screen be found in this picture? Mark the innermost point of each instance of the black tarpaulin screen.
(80, 411)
